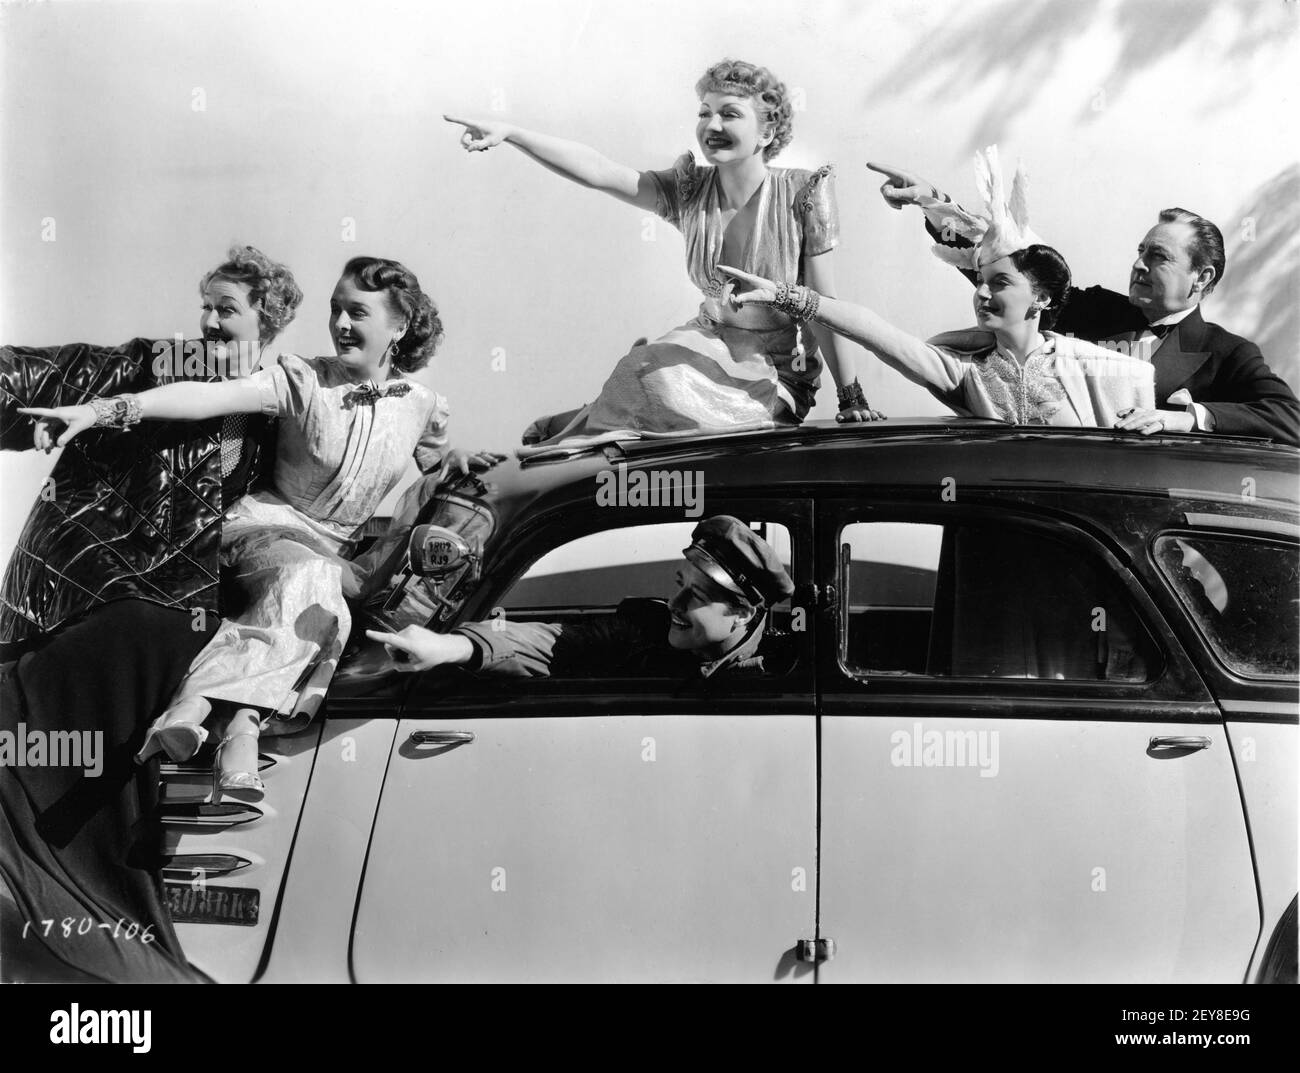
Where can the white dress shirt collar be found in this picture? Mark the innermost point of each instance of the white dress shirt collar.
(1175, 318)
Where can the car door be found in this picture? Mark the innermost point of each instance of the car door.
(1023, 778)
(1234, 574)
(599, 828)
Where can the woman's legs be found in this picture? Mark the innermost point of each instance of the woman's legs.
(178, 732)
(295, 615)
(236, 774)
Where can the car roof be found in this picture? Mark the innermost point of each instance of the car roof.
(829, 458)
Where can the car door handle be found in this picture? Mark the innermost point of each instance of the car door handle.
(1176, 741)
(440, 737)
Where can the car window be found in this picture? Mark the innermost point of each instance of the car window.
(599, 570)
(986, 601)
(584, 583)
(1242, 593)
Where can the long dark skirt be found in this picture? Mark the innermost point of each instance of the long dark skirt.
(84, 851)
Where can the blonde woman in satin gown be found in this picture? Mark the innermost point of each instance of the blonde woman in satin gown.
(727, 368)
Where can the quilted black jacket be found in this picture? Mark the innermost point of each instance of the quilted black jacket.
(126, 514)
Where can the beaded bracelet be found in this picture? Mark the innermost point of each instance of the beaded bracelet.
(120, 411)
(814, 304)
(851, 395)
(796, 301)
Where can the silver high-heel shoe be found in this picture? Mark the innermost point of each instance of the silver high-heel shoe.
(245, 786)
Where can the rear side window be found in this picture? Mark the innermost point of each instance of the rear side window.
(1242, 593)
(986, 601)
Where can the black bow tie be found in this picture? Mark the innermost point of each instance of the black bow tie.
(370, 394)
(1160, 330)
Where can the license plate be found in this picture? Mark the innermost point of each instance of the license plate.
(212, 905)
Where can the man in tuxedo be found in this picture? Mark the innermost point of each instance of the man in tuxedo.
(1207, 379)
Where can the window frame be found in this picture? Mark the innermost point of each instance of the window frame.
(536, 535)
(1173, 676)
(1225, 533)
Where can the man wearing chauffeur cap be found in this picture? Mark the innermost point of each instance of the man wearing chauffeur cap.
(715, 623)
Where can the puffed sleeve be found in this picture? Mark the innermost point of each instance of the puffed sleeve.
(675, 187)
(288, 387)
(819, 212)
(431, 449)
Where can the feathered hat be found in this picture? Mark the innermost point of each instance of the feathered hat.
(1004, 230)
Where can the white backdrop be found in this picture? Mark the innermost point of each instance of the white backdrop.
(144, 138)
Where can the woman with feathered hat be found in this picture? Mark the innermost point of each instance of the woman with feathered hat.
(1012, 367)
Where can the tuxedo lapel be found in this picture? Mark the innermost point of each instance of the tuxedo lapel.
(1179, 356)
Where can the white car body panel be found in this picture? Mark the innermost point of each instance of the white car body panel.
(1267, 766)
(232, 953)
(553, 849)
(314, 928)
(937, 873)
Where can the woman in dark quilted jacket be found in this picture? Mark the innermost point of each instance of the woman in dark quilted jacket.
(109, 596)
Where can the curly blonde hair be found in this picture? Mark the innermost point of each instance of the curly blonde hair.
(743, 79)
(269, 283)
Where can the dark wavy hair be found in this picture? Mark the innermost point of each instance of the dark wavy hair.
(1050, 277)
(749, 80)
(1206, 244)
(270, 285)
(405, 299)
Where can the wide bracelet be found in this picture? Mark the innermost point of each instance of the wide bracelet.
(851, 395)
(120, 411)
(797, 301)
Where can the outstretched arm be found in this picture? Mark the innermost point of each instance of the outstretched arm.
(188, 401)
(914, 358)
(573, 160)
(517, 649)
(902, 188)
(64, 376)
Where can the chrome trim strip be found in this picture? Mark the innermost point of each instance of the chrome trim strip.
(1261, 707)
(1247, 525)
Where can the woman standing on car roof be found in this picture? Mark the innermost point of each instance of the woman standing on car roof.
(727, 368)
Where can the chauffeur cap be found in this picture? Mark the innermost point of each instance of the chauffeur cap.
(739, 560)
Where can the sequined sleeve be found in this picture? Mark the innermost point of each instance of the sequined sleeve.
(820, 215)
(675, 187)
(287, 387)
(431, 449)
